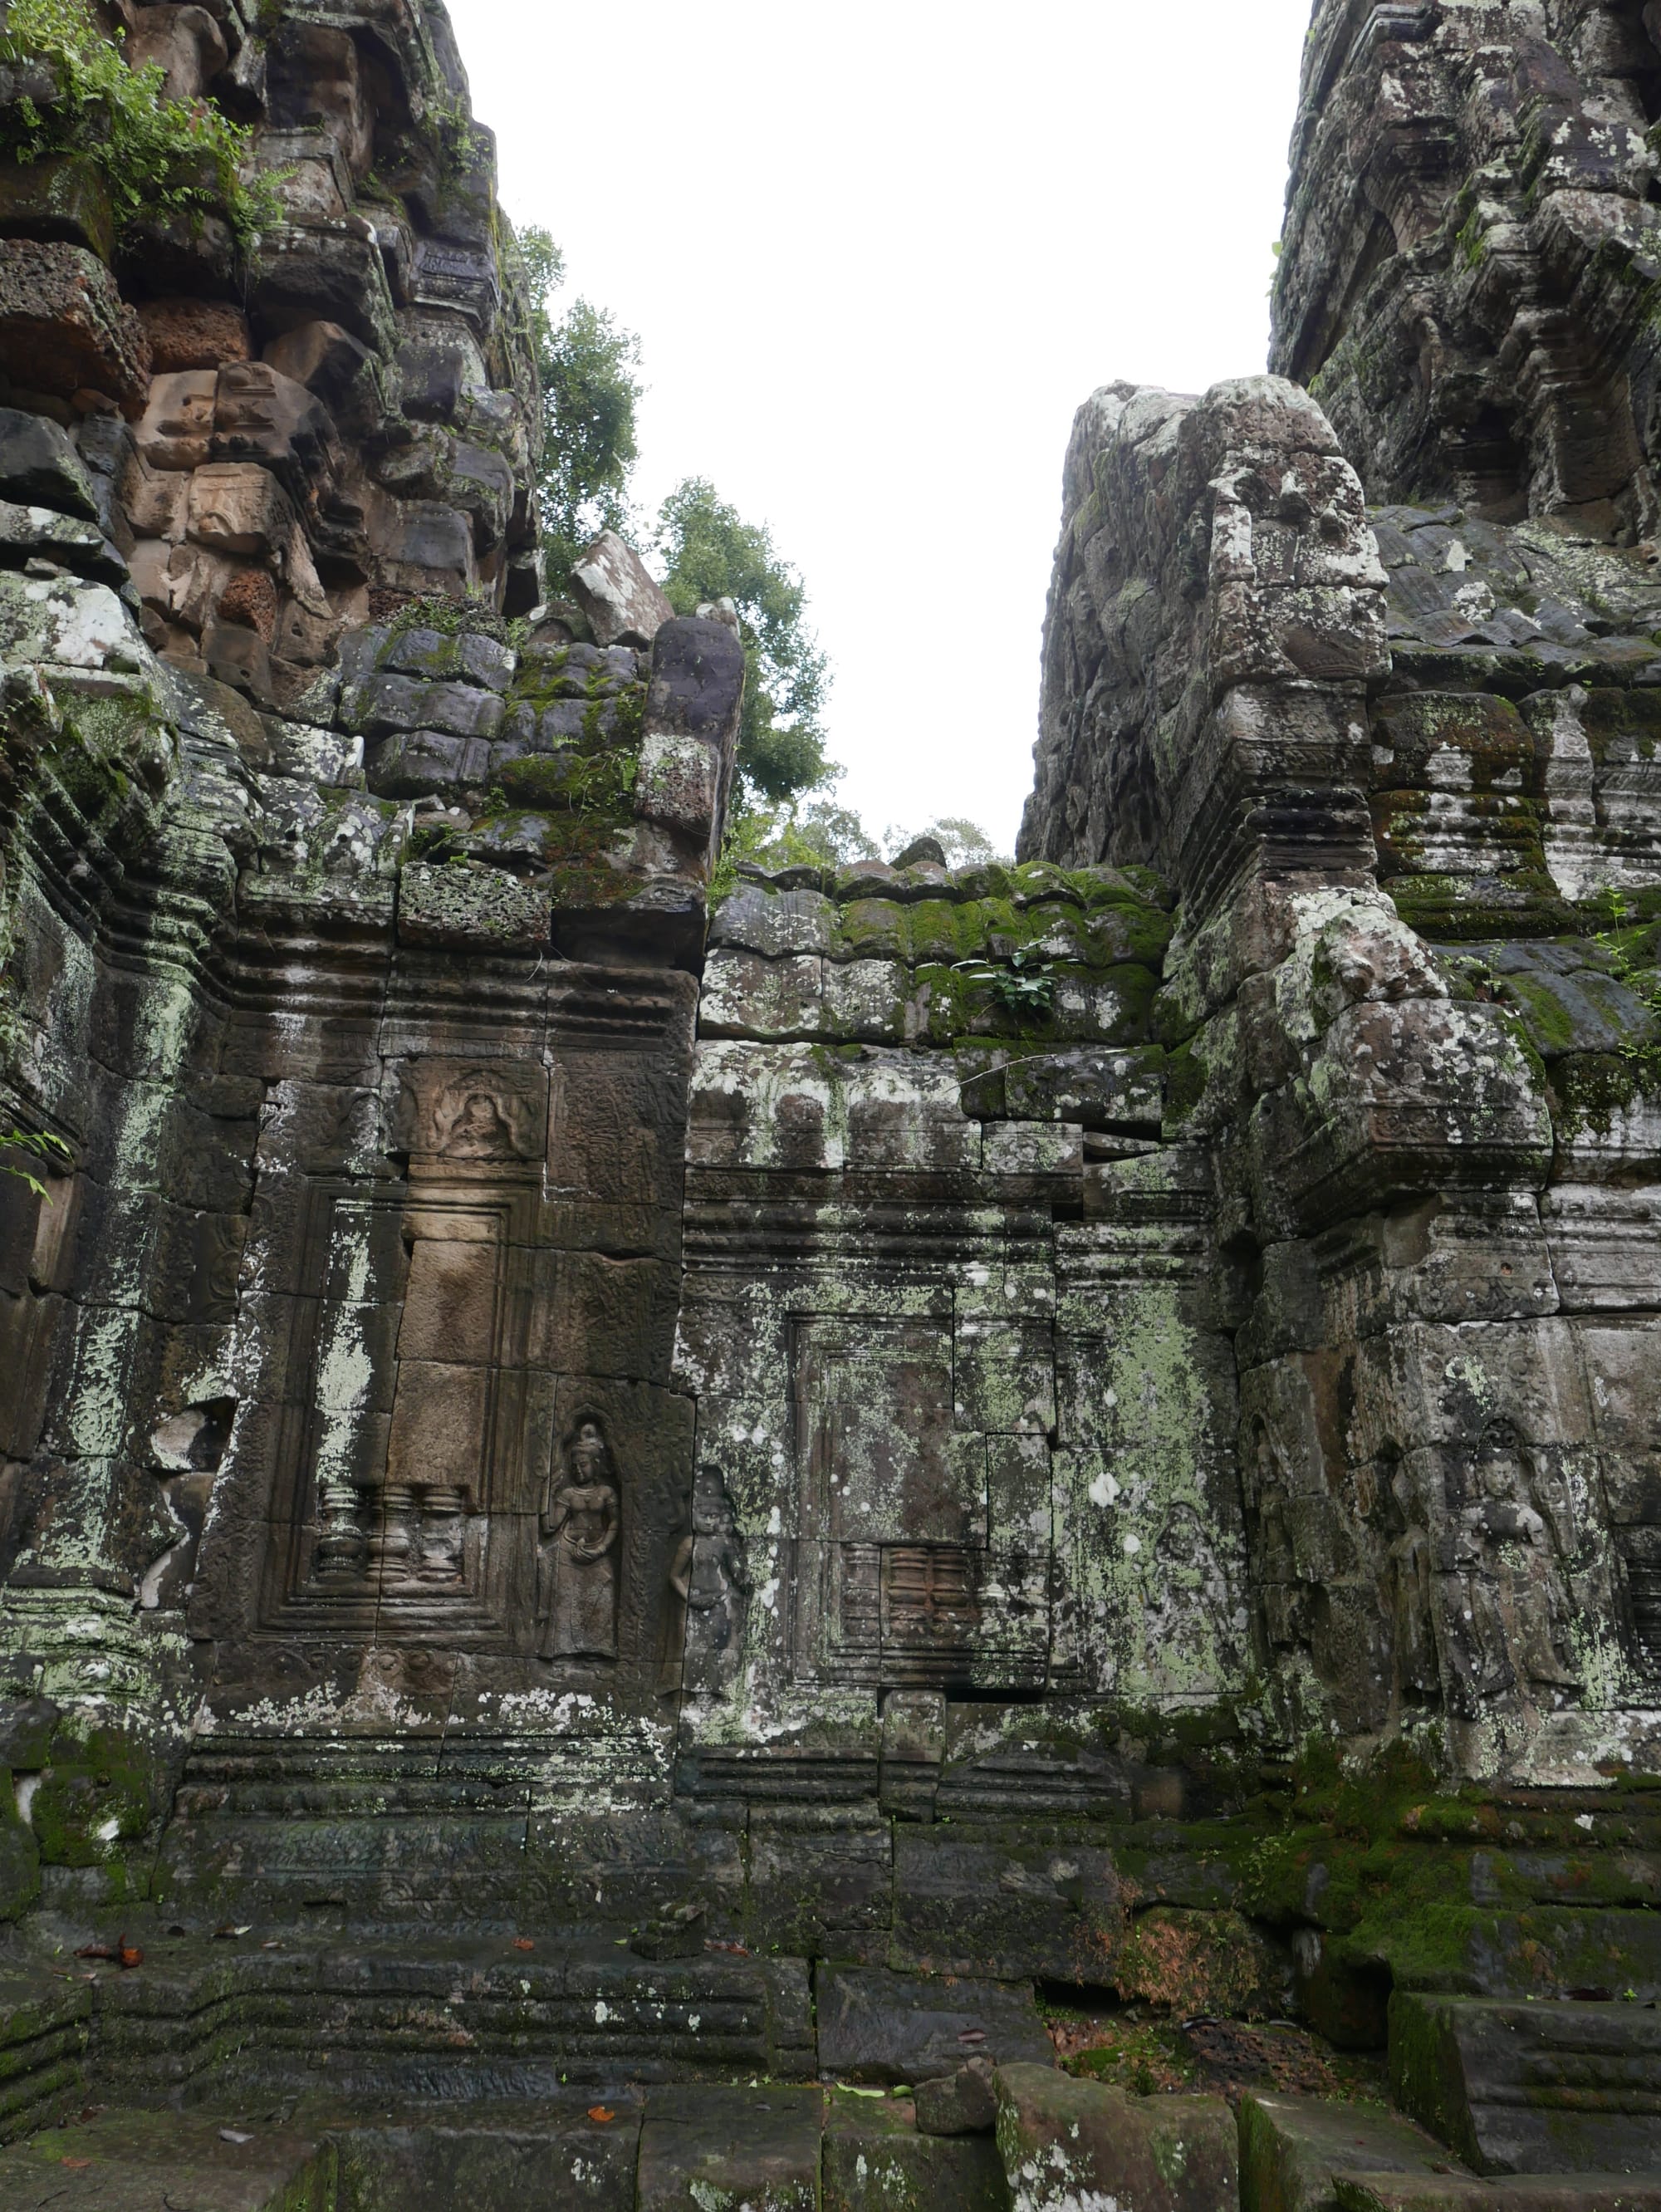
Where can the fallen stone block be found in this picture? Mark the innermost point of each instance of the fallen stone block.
(873, 2161)
(707, 2146)
(29, 533)
(622, 602)
(880, 2027)
(1071, 2146)
(38, 467)
(961, 2103)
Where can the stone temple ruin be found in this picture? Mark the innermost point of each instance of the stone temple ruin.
(626, 1499)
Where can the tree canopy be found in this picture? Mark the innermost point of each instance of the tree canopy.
(708, 552)
(821, 834)
(585, 362)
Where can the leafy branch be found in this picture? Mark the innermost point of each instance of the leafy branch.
(50, 1151)
(1026, 989)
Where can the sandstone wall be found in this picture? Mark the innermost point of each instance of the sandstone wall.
(787, 1437)
(349, 918)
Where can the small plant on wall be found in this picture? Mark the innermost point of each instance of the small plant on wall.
(157, 157)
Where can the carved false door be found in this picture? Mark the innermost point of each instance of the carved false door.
(411, 1502)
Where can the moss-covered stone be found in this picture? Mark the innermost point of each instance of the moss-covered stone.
(20, 1858)
(96, 1796)
(1464, 910)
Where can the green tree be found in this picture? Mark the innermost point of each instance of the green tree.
(710, 552)
(585, 362)
(965, 843)
(789, 835)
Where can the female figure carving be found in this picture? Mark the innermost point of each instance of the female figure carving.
(581, 1520)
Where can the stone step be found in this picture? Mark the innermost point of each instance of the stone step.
(549, 2156)
(715, 2146)
(1518, 2087)
(1293, 2150)
(157, 2161)
(1519, 2192)
(44, 2025)
(500, 2017)
(692, 2146)
(460, 2020)
(677, 2149)
(393, 2020)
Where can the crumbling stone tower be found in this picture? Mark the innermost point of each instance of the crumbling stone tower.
(612, 1477)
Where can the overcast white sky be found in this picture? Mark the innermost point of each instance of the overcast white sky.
(877, 255)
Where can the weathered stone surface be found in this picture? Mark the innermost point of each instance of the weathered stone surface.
(1065, 2142)
(148, 2161)
(38, 467)
(538, 2160)
(623, 604)
(1388, 2192)
(878, 2026)
(759, 2146)
(570, 1465)
(1530, 2088)
(63, 327)
(194, 334)
(1294, 2151)
(961, 2103)
(873, 2161)
(61, 199)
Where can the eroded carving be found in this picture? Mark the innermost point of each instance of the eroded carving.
(717, 1589)
(581, 1519)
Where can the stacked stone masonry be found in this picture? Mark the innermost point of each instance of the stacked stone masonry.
(627, 1490)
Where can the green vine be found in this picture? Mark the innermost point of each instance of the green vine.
(155, 156)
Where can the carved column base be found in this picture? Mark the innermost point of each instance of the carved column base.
(443, 1534)
(342, 1548)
